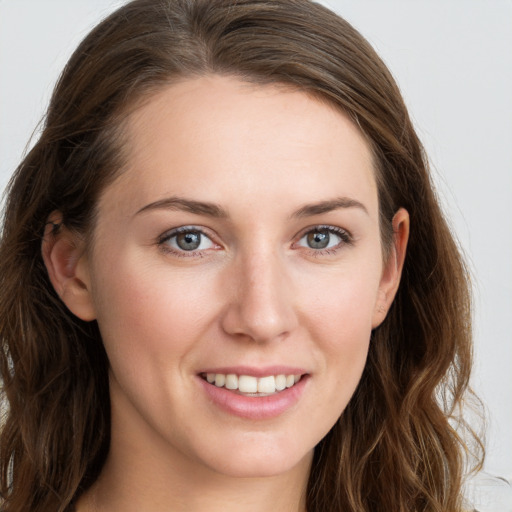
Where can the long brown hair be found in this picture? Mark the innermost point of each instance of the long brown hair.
(398, 445)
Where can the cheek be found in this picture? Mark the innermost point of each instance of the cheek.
(338, 316)
(340, 308)
(146, 312)
(342, 329)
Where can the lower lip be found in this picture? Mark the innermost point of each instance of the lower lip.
(254, 407)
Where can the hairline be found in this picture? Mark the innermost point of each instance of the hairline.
(121, 117)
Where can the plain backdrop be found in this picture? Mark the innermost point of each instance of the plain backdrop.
(453, 62)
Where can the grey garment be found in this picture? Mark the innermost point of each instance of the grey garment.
(488, 493)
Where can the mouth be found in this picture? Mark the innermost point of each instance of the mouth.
(251, 386)
(254, 393)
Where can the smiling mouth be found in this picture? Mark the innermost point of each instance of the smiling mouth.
(249, 385)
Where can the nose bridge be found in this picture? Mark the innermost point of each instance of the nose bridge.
(261, 307)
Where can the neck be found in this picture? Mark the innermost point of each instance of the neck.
(154, 477)
(146, 485)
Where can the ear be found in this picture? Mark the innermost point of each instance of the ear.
(65, 258)
(392, 270)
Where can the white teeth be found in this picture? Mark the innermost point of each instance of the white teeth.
(280, 382)
(267, 385)
(249, 384)
(231, 381)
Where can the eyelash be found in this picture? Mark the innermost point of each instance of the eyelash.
(166, 237)
(345, 237)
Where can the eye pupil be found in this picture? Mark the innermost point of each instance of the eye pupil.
(188, 241)
(318, 239)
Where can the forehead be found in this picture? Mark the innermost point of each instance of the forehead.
(220, 139)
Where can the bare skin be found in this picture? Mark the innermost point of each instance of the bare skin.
(243, 237)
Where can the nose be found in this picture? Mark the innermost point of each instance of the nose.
(260, 306)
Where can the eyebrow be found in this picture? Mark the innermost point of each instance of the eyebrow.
(216, 211)
(187, 205)
(310, 210)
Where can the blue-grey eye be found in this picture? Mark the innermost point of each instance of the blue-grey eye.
(321, 238)
(189, 240)
(318, 239)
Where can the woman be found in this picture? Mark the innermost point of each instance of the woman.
(226, 279)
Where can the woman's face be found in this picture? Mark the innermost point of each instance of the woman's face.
(240, 246)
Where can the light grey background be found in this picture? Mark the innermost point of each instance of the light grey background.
(453, 61)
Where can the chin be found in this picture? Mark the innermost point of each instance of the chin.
(257, 460)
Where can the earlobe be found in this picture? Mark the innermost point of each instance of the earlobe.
(392, 270)
(63, 253)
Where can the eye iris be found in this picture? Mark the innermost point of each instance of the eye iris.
(188, 241)
(318, 239)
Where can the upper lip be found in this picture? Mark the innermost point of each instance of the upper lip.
(256, 371)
